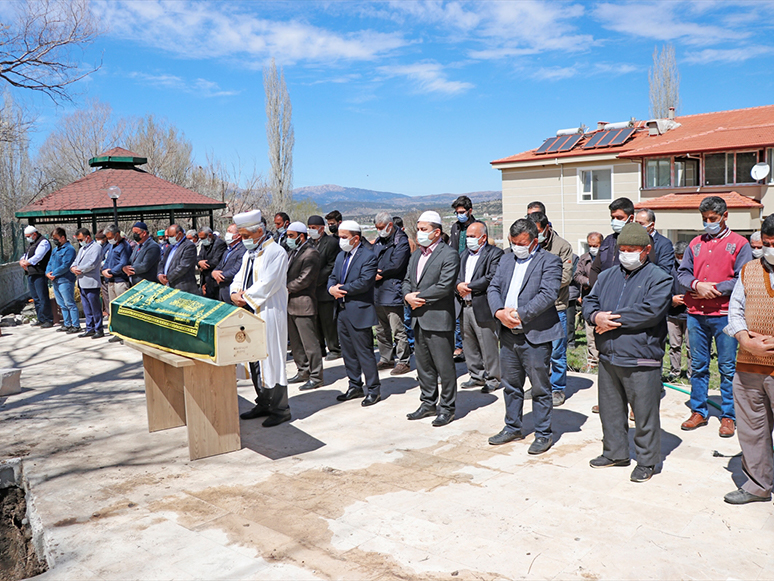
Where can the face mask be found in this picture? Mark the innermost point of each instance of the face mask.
(29, 239)
(229, 238)
(462, 218)
(617, 225)
(757, 252)
(136, 237)
(712, 228)
(768, 254)
(281, 231)
(593, 250)
(648, 227)
(629, 260)
(334, 229)
(314, 233)
(541, 238)
(384, 233)
(291, 242)
(521, 252)
(101, 242)
(345, 244)
(249, 243)
(58, 243)
(113, 241)
(424, 238)
(206, 242)
(473, 244)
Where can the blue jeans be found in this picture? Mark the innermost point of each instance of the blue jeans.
(559, 357)
(701, 330)
(457, 334)
(407, 325)
(39, 291)
(64, 291)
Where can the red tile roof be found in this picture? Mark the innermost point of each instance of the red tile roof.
(118, 152)
(691, 201)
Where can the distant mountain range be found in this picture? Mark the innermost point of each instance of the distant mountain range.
(357, 200)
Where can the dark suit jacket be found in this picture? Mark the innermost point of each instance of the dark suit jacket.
(182, 269)
(328, 247)
(436, 286)
(392, 255)
(145, 261)
(303, 269)
(536, 298)
(479, 282)
(359, 284)
(212, 254)
(229, 265)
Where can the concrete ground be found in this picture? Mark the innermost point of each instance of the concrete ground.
(345, 492)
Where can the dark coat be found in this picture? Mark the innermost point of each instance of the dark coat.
(537, 297)
(229, 266)
(436, 286)
(303, 269)
(145, 261)
(359, 284)
(479, 282)
(678, 311)
(212, 254)
(392, 255)
(328, 247)
(117, 258)
(458, 229)
(664, 252)
(181, 272)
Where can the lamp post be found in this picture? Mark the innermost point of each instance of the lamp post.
(114, 192)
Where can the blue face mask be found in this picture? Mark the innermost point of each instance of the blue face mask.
(462, 217)
(291, 242)
(712, 228)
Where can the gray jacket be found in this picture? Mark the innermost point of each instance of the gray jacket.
(89, 260)
(436, 286)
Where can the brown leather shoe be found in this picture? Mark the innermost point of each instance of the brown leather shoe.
(385, 365)
(595, 409)
(695, 421)
(400, 369)
(727, 428)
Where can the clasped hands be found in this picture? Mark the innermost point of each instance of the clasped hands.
(337, 292)
(509, 317)
(606, 321)
(414, 301)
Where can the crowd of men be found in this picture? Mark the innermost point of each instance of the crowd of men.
(324, 293)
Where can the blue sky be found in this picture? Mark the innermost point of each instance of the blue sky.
(415, 97)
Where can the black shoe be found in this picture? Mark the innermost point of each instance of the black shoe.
(459, 358)
(528, 394)
(350, 394)
(443, 419)
(491, 388)
(471, 383)
(98, 335)
(310, 385)
(540, 445)
(257, 412)
(46, 325)
(504, 437)
(298, 378)
(604, 462)
(743, 497)
(422, 412)
(276, 420)
(73, 330)
(641, 473)
(332, 356)
(371, 399)
(87, 334)
(35, 324)
(63, 329)
(115, 339)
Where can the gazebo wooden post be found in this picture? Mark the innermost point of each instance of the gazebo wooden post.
(93, 224)
(212, 220)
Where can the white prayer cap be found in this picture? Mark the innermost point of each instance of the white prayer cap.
(297, 227)
(30, 230)
(349, 226)
(217, 233)
(430, 216)
(247, 219)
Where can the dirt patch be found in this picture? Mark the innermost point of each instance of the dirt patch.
(18, 559)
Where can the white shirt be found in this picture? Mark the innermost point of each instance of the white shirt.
(517, 280)
(470, 265)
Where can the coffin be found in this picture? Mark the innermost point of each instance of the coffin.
(188, 325)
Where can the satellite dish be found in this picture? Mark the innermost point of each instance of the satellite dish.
(760, 171)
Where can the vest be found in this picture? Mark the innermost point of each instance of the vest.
(758, 308)
(713, 261)
(38, 269)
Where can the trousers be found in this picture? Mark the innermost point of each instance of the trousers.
(92, 308)
(38, 284)
(434, 355)
(481, 349)
(391, 325)
(64, 292)
(754, 400)
(305, 346)
(357, 347)
(520, 359)
(326, 327)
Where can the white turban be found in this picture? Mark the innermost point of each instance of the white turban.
(297, 227)
(248, 219)
(430, 216)
(30, 230)
(349, 226)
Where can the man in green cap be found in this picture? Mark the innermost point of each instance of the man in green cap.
(628, 308)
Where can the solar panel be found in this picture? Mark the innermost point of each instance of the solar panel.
(546, 144)
(570, 143)
(621, 138)
(610, 135)
(596, 138)
(558, 143)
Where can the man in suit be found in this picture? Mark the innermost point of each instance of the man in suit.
(144, 261)
(392, 255)
(352, 285)
(303, 269)
(479, 328)
(328, 247)
(178, 269)
(229, 264)
(211, 249)
(522, 296)
(429, 290)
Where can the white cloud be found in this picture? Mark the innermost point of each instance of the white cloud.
(428, 77)
(584, 70)
(201, 87)
(730, 55)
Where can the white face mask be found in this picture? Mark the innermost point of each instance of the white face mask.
(249, 243)
(629, 260)
(206, 242)
(473, 244)
(757, 252)
(229, 238)
(314, 233)
(521, 252)
(424, 238)
(385, 232)
(345, 244)
(112, 241)
(29, 239)
(593, 250)
(768, 254)
(617, 225)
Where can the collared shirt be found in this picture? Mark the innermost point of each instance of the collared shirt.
(40, 251)
(348, 261)
(736, 305)
(517, 280)
(172, 251)
(426, 252)
(470, 264)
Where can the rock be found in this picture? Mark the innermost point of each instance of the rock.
(8, 321)
(10, 381)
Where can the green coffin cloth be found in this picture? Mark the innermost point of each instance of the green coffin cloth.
(169, 319)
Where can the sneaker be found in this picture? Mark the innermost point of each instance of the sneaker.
(641, 473)
(558, 397)
(63, 329)
(604, 462)
(73, 330)
(743, 497)
(504, 437)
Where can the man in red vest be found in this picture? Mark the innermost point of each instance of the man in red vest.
(710, 269)
(751, 323)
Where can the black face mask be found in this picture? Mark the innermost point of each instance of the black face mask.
(58, 242)
(334, 229)
(136, 237)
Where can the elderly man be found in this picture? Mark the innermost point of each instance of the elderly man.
(328, 247)
(229, 264)
(178, 267)
(392, 254)
(581, 277)
(756, 245)
(478, 265)
(303, 270)
(429, 290)
(144, 261)
(351, 284)
(261, 287)
(63, 280)
(34, 262)
(522, 296)
(211, 249)
(751, 323)
(663, 251)
(710, 270)
(628, 307)
(86, 267)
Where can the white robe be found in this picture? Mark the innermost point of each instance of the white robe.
(268, 297)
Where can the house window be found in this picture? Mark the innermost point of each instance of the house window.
(686, 172)
(744, 164)
(715, 169)
(596, 184)
(658, 173)
(729, 168)
(770, 161)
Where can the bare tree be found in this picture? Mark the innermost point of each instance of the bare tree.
(279, 132)
(38, 45)
(168, 151)
(664, 82)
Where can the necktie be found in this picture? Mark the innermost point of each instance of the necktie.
(344, 268)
